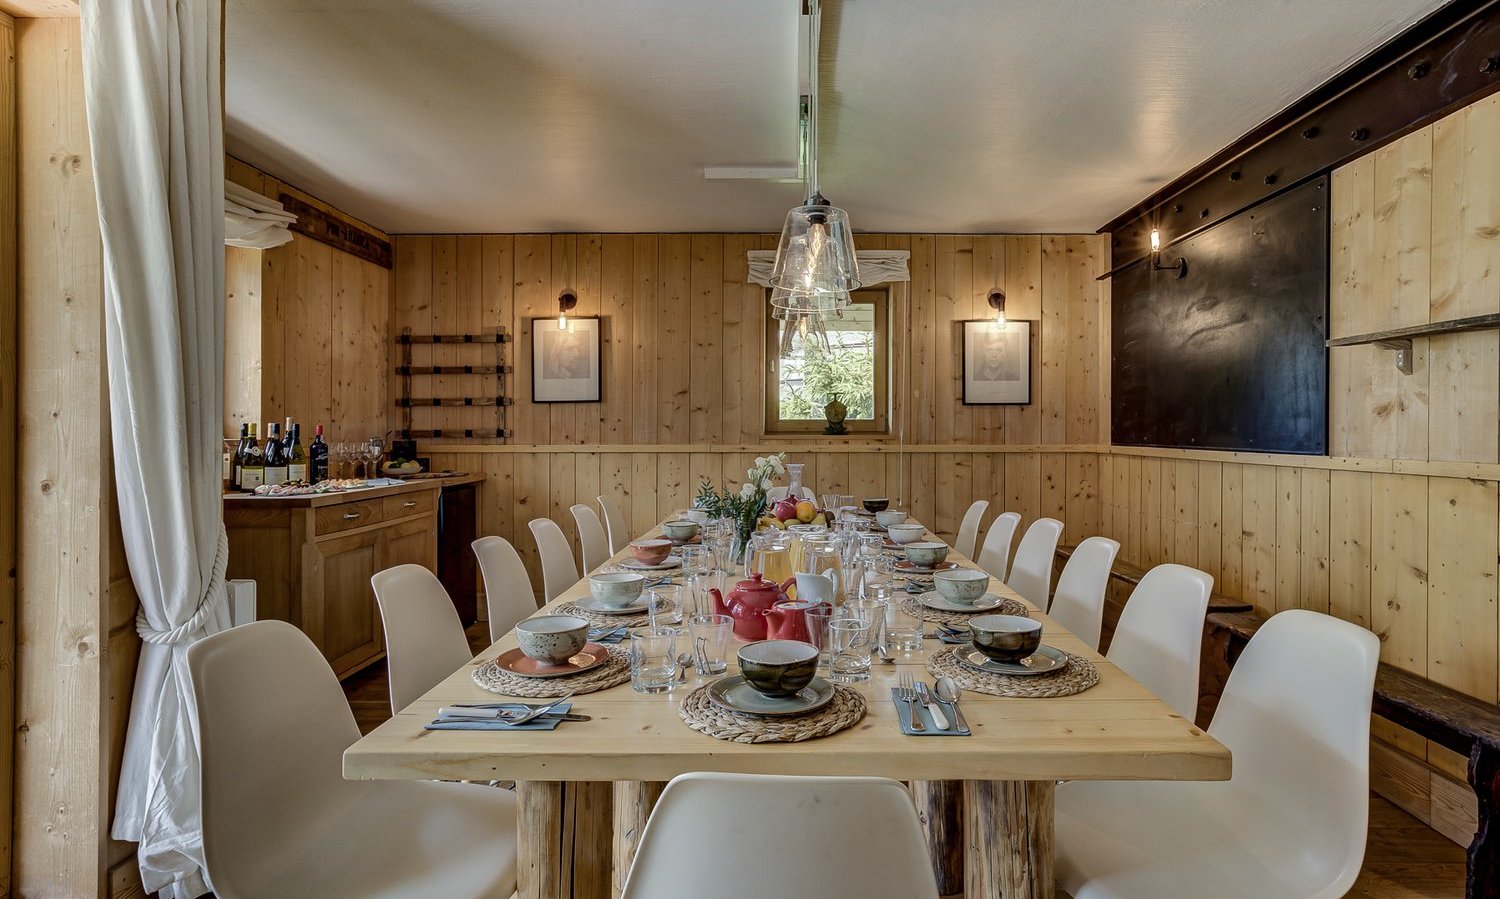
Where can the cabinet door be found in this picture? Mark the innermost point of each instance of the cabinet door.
(410, 542)
(341, 617)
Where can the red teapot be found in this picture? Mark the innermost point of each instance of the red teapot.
(787, 620)
(748, 604)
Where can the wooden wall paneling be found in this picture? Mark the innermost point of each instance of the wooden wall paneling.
(1258, 515)
(1185, 512)
(615, 480)
(988, 274)
(1231, 562)
(1401, 289)
(63, 466)
(739, 338)
(1313, 511)
(562, 422)
(1399, 569)
(948, 409)
(1150, 511)
(645, 402)
(833, 475)
(242, 327)
(1351, 243)
(468, 318)
(533, 268)
(674, 331)
(1050, 345)
(867, 476)
(1081, 365)
(644, 486)
(1459, 557)
(9, 345)
(1083, 502)
(617, 307)
(1023, 302)
(704, 465)
(674, 483)
(704, 352)
(1023, 486)
(411, 308)
(922, 489)
(922, 389)
(1054, 486)
(1349, 539)
(561, 482)
(588, 418)
(531, 499)
(955, 491)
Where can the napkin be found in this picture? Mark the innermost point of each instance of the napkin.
(546, 722)
(608, 634)
(926, 719)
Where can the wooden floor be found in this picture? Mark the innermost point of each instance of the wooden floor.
(1404, 858)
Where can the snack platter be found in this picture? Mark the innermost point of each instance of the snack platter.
(302, 488)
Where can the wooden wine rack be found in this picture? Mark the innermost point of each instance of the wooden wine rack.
(492, 372)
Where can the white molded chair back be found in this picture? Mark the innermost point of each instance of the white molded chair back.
(558, 570)
(508, 595)
(1031, 573)
(777, 494)
(1078, 604)
(749, 836)
(279, 819)
(590, 537)
(1160, 635)
(994, 556)
(424, 640)
(968, 530)
(614, 523)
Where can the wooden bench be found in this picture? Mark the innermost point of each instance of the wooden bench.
(1468, 726)
(1126, 573)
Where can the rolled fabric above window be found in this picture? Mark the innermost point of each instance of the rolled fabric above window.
(875, 266)
(254, 221)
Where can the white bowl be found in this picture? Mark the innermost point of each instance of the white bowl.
(905, 533)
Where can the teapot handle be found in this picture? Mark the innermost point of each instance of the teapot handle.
(787, 585)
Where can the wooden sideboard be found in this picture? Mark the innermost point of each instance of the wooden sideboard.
(312, 557)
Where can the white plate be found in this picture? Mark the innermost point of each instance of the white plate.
(590, 604)
(671, 562)
(1044, 660)
(935, 600)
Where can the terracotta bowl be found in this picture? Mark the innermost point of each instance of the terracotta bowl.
(778, 667)
(651, 552)
(552, 638)
(1006, 638)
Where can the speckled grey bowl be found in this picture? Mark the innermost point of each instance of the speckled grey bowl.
(552, 638)
(961, 585)
(926, 553)
(1006, 638)
(778, 667)
(681, 529)
(617, 589)
(887, 517)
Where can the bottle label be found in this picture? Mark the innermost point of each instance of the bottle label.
(250, 478)
(275, 475)
(296, 472)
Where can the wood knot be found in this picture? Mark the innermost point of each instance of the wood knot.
(47, 485)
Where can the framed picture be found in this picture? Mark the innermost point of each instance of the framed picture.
(997, 363)
(565, 363)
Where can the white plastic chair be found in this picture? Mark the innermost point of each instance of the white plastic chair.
(968, 530)
(1290, 824)
(558, 571)
(1031, 573)
(508, 596)
(1160, 635)
(614, 523)
(279, 819)
(994, 556)
(424, 640)
(1078, 604)
(590, 537)
(749, 836)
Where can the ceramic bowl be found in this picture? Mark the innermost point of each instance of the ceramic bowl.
(681, 529)
(964, 586)
(552, 638)
(888, 518)
(778, 667)
(926, 553)
(1006, 638)
(877, 505)
(617, 589)
(904, 533)
(651, 552)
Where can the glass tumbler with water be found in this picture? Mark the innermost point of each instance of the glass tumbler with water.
(653, 660)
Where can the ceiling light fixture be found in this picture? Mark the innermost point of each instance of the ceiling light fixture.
(815, 257)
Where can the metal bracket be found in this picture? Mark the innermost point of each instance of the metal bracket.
(1402, 346)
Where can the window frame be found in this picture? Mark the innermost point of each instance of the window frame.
(878, 297)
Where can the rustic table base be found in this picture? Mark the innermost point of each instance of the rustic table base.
(563, 840)
(1008, 839)
(940, 808)
(633, 803)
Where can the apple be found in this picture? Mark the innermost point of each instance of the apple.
(806, 511)
(785, 510)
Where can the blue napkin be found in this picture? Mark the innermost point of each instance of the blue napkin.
(545, 722)
(926, 718)
(611, 634)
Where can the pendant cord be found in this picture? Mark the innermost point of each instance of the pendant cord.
(815, 17)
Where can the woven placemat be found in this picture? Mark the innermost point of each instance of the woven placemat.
(601, 619)
(911, 605)
(1078, 675)
(700, 713)
(614, 671)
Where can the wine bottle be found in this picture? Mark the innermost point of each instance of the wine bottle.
(286, 438)
(237, 458)
(275, 456)
(296, 457)
(317, 457)
(253, 463)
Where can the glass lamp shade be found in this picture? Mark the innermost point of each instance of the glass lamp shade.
(796, 303)
(816, 253)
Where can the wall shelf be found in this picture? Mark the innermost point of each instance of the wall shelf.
(1399, 339)
(493, 371)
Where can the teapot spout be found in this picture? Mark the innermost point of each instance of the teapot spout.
(720, 607)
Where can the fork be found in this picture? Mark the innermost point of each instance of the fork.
(906, 691)
(537, 713)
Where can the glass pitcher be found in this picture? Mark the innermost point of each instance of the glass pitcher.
(770, 553)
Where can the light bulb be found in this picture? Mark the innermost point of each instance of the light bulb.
(562, 321)
(1000, 319)
(1155, 241)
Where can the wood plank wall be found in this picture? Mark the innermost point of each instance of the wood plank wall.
(1399, 531)
(683, 373)
(8, 344)
(306, 330)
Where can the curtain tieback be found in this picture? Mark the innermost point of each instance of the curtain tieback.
(214, 595)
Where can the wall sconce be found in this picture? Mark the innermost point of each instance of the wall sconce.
(1180, 266)
(565, 301)
(997, 303)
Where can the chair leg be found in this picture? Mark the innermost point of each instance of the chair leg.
(1008, 837)
(1484, 852)
(940, 806)
(633, 802)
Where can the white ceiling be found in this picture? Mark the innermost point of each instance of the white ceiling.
(600, 115)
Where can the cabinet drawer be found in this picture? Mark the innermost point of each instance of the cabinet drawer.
(347, 516)
(408, 504)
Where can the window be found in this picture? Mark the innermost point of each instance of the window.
(848, 356)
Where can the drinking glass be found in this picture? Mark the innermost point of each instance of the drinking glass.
(710, 635)
(653, 660)
(698, 599)
(871, 612)
(374, 449)
(665, 606)
(818, 618)
(849, 645)
(721, 540)
(903, 630)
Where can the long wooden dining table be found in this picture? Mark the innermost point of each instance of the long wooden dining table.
(586, 789)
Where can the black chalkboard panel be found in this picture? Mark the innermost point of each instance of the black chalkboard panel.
(1231, 356)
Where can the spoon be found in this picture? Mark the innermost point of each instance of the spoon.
(947, 690)
(885, 655)
(683, 661)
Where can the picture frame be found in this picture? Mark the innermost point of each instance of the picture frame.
(997, 363)
(566, 363)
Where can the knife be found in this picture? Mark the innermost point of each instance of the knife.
(483, 714)
(938, 717)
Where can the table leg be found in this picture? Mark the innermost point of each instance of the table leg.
(633, 802)
(940, 806)
(539, 840)
(1008, 834)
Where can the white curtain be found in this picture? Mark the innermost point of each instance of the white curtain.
(151, 73)
(254, 221)
(875, 266)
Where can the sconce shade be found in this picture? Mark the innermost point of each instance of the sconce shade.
(816, 253)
